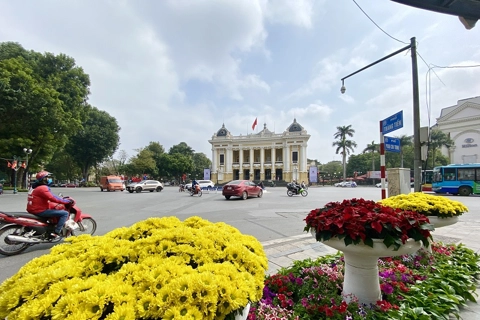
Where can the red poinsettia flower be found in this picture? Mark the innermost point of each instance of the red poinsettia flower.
(357, 220)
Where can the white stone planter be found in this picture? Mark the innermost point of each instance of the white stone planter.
(244, 314)
(361, 266)
(442, 222)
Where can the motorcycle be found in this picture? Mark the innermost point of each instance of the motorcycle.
(196, 191)
(292, 190)
(181, 188)
(22, 229)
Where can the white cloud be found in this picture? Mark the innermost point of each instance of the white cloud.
(179, 69)
(295, 12)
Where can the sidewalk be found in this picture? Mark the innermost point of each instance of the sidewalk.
(282, 253)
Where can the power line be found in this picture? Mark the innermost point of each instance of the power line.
(377, 24)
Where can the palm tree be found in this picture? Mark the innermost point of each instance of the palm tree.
(372, 148)
(404, 141)
(343, 145)
(438, 139)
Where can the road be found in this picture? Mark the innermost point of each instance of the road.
(274, 216)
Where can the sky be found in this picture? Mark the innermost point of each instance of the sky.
(174, 71)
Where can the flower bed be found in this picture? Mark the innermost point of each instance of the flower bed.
(418, 286)
(155, 269)
(426, 204)
(358, 220)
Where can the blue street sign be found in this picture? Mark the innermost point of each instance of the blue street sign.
(392, 123)
(392, 144)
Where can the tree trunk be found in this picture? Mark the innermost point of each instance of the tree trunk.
(373, 165)
(344, 166)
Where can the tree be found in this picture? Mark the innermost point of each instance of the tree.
(371, 148)
(200, 162)
(182, 148)
(438, 139)
(176, 164)
(157, 151)
(42, 101)
(343, 145)
(143, 162)
(404, 142)
(96, 142)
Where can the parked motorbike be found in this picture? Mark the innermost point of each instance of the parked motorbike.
(292, 190)
(23, 229)
(196, 191)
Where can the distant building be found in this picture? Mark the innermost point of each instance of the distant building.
(462, 123)
(260, 156)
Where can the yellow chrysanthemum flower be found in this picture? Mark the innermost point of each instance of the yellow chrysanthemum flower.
(427, 204)
(157, 268)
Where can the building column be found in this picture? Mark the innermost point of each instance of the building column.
(286, 158)
(229, 160)
(303, 157)
(240, 160)
(273, 155)
(214, 160)
(251, 162)
(262, 160)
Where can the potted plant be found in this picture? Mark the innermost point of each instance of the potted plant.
(440, 210)
(160, 268)
(364, 231)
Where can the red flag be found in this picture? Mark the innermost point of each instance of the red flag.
(254, 124)
(24, 165)
(14, 164)
(9, 164)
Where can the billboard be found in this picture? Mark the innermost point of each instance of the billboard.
(206, 174)
(374, 174)
(313, 174)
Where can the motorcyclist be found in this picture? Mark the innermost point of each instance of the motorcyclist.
(44, 203)
(195, 186)
(303, 185)
(261, 185)
(296, 186)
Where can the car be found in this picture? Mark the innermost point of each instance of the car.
(202, 183)
(339, 184)
(379, 185)
(145, 185)
(242, 189)
(71, 185)
(349, 184)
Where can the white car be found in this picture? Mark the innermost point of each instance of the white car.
(202, 183)
(379, 185)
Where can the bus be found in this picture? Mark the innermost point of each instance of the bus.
(427, 179)
(462, 179)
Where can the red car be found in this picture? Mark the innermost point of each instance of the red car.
(241, 188)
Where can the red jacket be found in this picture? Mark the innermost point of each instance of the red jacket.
(42, 198)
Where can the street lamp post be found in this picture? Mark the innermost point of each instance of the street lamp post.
(27, 152)
(417, 162)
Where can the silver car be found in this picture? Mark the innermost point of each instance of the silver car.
(145, 185)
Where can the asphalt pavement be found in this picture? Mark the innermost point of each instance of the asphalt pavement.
(276, 220)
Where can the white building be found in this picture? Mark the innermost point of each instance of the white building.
(462, 123)
(260, 156)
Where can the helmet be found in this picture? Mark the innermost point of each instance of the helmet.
(42, 174)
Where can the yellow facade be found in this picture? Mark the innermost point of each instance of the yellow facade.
(262, 156)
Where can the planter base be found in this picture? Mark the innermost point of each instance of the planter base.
(361, 267)
(244, 314)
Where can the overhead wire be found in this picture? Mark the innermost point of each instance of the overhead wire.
(418, 53)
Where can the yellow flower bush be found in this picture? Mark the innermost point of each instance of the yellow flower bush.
(160, 268)
(427, 204)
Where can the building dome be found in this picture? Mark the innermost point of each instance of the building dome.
(223, 132)
(295, 127)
